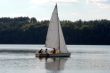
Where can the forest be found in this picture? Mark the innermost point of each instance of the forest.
(25, 30)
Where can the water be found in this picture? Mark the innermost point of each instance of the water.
(84, 59)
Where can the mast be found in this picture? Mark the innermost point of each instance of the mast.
(58, 28)
(55, 38)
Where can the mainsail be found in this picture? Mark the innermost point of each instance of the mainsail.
(55, 38)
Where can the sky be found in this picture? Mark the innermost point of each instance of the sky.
(67, 9)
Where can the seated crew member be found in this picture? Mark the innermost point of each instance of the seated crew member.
(54, 51)
(40, 51)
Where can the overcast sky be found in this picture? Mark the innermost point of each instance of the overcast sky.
(68, 9)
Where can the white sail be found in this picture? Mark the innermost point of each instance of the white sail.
(55, 37)
(52, 40)
(63, 47)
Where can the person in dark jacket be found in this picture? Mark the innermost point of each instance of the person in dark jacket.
(40, 51)
(46, 51)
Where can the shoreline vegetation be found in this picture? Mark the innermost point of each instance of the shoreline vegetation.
(25, 30)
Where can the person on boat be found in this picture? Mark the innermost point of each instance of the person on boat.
(54, 51)
(40, 51)
(46, 51)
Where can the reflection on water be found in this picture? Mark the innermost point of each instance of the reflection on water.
(84, 59)
(55, 64)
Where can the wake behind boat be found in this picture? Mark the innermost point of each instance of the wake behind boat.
(55, 38)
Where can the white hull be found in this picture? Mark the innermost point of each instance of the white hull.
(54, 55)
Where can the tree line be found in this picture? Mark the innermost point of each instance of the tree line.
(25, 30)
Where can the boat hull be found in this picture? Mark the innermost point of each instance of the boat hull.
(54, 55)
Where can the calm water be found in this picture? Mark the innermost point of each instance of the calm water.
(84, 59)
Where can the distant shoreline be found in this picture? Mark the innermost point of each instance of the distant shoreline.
(25, 30)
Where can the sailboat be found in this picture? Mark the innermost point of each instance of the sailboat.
(55, 38)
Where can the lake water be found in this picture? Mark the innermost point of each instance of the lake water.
(84, 59)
